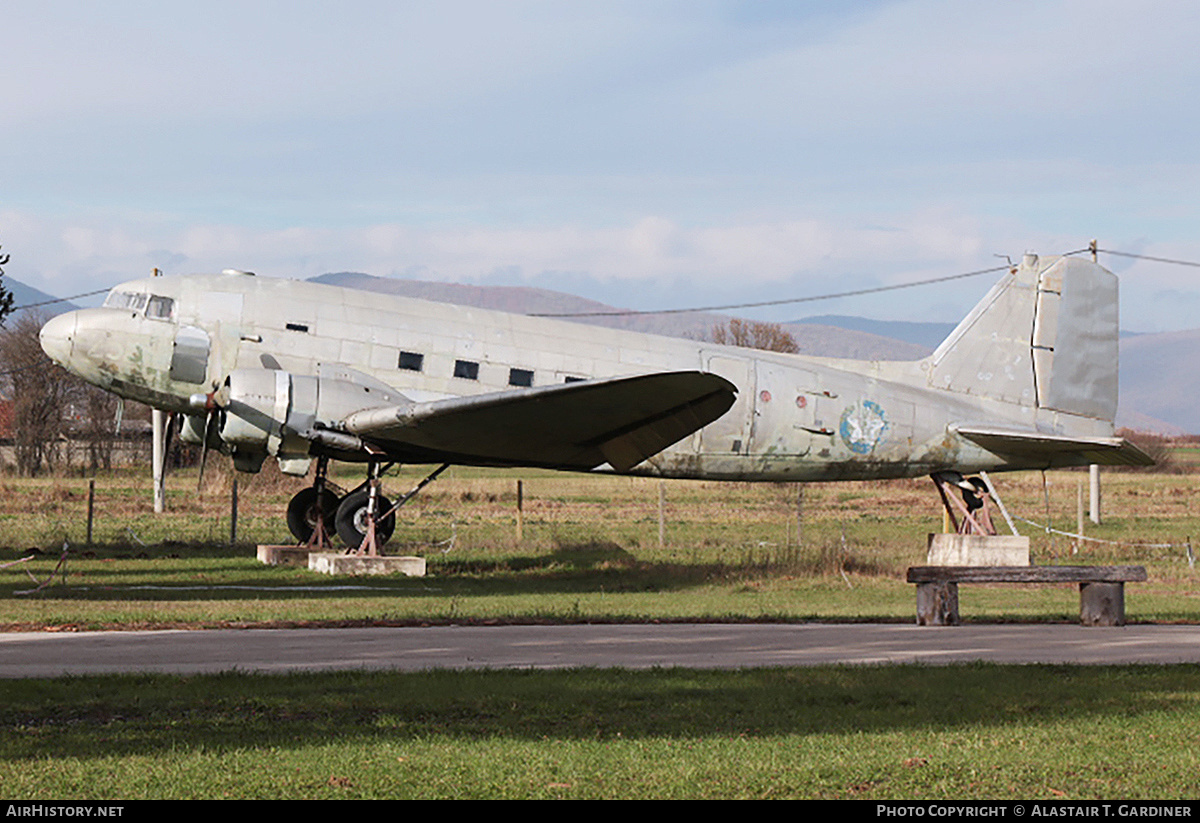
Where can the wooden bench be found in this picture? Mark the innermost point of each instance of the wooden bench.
(1101, 588)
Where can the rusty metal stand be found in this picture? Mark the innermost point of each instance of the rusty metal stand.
(370, 543)
(370, 546)
(975, 520)
(319, 540)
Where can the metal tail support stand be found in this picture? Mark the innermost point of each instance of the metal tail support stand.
(974, 541)
(976, 519)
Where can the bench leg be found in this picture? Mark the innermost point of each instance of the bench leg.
(1102, 604)
(937, 604)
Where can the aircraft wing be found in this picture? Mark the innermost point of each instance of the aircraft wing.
(620, 421)
(1058, 450)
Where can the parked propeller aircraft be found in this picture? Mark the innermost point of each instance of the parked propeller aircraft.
(261, 367)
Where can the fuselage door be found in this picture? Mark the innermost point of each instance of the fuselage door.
(730, 433)
(189, 360)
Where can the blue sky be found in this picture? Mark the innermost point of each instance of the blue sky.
(649, 154)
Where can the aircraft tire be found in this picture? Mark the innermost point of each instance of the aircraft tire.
(352, 519)
(302, 513)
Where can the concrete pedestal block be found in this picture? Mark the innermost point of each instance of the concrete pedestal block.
(977, 550)
(352, 564)
(283, 555)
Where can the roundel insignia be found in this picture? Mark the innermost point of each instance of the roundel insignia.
(765, 396)
(863, 426)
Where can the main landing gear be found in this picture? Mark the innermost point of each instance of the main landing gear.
(363, 519)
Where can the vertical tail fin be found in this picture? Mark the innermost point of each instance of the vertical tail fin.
(1045, 336)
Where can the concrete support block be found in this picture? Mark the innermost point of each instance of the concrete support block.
(977, 550)
(1102, 604)
(283, 555)
(352, 564)
(937, 604)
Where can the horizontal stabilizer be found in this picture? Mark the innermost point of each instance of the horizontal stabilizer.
(620, 421)
(1057, 449)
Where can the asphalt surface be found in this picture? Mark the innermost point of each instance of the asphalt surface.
(41, 654)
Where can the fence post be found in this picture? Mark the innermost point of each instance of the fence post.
(91, 508)
(662, 513)
(800, 515)
(520, 511)
(233, 506)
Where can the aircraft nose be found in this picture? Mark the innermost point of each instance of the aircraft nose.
(58, 336)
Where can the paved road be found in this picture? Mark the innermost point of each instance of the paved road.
(36, 654)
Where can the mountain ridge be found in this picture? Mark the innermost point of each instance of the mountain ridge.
(1148, 401)
(1156, 394)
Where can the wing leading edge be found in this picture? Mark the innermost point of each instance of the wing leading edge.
(620, 421)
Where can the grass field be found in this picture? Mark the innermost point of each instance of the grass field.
(590, 551)
(1053, 732)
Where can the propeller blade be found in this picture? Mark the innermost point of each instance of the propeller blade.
(212, 404)
(167, 434)
(209, 433)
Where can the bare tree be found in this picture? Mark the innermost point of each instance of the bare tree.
(40, 393)
(98, 412)
(6, 297)
(753, 334)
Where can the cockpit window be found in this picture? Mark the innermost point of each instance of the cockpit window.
(154, 306)
(160, 308)
(134, 301)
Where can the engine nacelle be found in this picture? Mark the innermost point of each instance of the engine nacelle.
(191, 429)
(254, 415)
(281, 414)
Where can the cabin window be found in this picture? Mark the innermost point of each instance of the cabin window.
(297, 327)
(412, 361)
(569, 379)
(520, 377)
(466, 369)
(160, 308)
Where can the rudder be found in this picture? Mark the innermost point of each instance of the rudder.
(1045, 336)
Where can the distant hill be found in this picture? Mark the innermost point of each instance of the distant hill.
(927, 335)
(1158, 388)
(817, 340)
(1158, 383)
(27, 296)
(1156, 394)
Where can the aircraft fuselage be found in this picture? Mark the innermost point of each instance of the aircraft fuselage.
(164, 340)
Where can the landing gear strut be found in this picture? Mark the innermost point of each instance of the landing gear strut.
(364, 519)
(311, 513)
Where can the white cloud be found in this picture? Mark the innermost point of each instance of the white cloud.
(712, 149)
(68, 255)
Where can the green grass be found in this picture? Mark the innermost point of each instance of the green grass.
(589, 551)
(830, 732)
